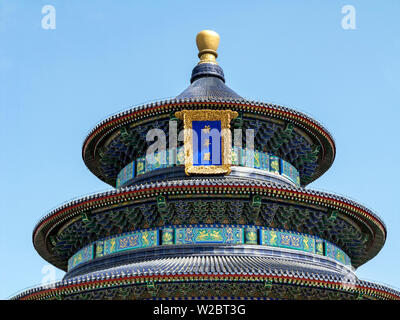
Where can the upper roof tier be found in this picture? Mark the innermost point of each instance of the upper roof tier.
(208, 80)
(288, 134)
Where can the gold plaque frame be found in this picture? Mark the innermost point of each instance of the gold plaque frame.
(225, 116)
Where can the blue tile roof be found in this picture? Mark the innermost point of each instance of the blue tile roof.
(208, 81)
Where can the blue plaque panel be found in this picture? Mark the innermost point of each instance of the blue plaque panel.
(206, 143)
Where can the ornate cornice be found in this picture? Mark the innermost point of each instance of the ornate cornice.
(212, 187)
(63, 288)
(108, 126)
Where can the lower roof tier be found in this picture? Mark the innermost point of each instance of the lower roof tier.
(351, 227)
(280, 131)
(232, 277)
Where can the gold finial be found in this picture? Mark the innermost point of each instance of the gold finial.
(207, 42)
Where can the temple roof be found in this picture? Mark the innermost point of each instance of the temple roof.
(208, 80)
(107, 134)
(357, 213)
(213, 268)
(219, 264)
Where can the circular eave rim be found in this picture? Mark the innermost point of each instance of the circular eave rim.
(106, 127)
(74, 208)
(312, 280)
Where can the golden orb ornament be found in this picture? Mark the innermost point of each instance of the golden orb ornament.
(207, 42)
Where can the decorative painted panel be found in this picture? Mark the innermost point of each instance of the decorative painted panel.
(336, 253)
(99, 248)
(236, 156)
(253, 159)
(209, 235)
(180, 156)
(290, 172)
(137, 240)
(140, 166)
(197, 234)
(160, 161)
(167, 236)
(248, 158)
(288, 240)
(127, 173)
(264, 161)
(258, 160)
(274, 164)
(319, 247)
(83, 255)
(250, 235)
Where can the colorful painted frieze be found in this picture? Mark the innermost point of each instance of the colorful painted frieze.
(298, 178)
(308, 243)
(156, 161)
(137, 240)
(287, 240)
(99, 248)
(264, 161)
(319, 247)
(250, 236)
(236, 153)
(209, 235)
(180, 156)
(167, 236)
(274, 164)
(249, 158)
(240, 157)
(126, 174)
(141, 166)
(83, 255)
(290, 172)
(337, 254)
(258, 160)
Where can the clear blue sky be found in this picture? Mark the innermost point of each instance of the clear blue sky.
(105, 56)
